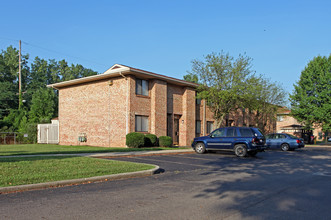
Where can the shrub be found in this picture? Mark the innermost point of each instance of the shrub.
(165, 141)
(150, 140)
(135, 140)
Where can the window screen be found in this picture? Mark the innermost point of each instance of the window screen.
(141, 123)
(141, 87)
(210, 127)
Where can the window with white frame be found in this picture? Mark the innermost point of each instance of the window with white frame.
(141, 123)
(141, 87)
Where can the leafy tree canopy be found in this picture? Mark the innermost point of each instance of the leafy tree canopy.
(229, 83)
(40, 103)
(311, 98)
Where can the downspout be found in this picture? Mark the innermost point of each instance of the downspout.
(127, 102)
(204, 118)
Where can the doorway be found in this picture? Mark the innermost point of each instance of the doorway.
(176, 129)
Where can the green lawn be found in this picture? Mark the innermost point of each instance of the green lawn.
(28, 149)
(29, 170)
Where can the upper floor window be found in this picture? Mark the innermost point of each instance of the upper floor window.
(141, 87)
(198, 101)
(280, 118)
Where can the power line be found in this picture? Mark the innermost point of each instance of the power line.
(9, 39)
(53, 51)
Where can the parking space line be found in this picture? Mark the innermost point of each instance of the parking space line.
(196, 158)
(196, 165)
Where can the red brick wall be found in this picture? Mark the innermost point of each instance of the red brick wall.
(158, 119)
(96, 109)
(139, 105)
(174, 99)
(187, 122)
(204, 114)
(106, 113)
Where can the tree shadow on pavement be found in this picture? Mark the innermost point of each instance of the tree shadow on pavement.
(282, 184)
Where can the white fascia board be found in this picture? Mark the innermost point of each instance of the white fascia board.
(167, 79)
(107, 74)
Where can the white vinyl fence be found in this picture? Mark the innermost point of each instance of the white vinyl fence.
(48, 133)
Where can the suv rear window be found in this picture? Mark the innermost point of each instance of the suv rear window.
(246, 132)
(258, 132)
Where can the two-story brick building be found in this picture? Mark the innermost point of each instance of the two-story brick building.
(100, 110)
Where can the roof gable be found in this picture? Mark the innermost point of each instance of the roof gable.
(121, 70)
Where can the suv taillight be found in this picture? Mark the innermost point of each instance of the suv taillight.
(255, 140)
(298, 141)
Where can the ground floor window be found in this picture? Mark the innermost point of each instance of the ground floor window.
(197, 127)
(210, 127)
(141, 123)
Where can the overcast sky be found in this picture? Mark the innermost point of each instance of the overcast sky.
(164, 36)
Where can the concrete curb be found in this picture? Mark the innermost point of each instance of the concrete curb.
(62, 183)
(110, 154)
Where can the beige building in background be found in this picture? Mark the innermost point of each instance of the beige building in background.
(288, 124)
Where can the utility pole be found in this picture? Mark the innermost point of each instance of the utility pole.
(19, 78)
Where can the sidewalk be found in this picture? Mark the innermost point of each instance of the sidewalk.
(318, 145)
(150, 172)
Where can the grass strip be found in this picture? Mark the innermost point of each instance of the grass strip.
(30, 170)
(30, 149)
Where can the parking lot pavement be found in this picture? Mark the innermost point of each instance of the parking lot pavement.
(187, 162)
(273, 185)
(221, 159)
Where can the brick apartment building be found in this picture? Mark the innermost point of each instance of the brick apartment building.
(100, 110)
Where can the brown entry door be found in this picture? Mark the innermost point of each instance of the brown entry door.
(176, 130)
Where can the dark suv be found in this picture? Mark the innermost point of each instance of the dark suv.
(241, 140)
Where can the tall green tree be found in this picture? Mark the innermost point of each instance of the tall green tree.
(191, 78)
(311, 98)
(40, 103)
(42, 106)
(9, 79)
(222, 82)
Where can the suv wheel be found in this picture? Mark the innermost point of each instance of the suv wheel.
(240, 150)
(200, 148)
(285, 147)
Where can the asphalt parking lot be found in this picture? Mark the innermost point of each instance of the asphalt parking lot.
(192, 161)
(272, 185)
(217, 160)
